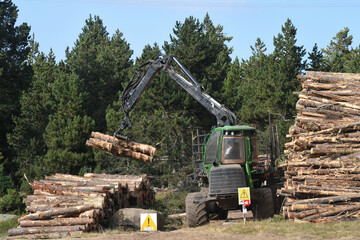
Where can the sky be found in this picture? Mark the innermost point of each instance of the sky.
(57, 24)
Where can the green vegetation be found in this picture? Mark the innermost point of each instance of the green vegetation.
(48, 109)
(6, 225)
(169, 203)
(12, 202)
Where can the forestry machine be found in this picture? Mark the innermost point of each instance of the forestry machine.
(229, 152)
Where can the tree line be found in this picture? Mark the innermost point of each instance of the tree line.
(48, 109)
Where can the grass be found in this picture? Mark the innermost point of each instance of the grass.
(168, 203)
(6, 225)
(290, 229)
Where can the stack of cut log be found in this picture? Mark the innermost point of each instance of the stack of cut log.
(323, 168)
(120, 147)
(263, 163)
(135, 190)
(65, 204)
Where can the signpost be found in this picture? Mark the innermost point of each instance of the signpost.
(148, 222)
(244, 200)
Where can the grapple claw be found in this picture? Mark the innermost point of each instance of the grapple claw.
(121, 136)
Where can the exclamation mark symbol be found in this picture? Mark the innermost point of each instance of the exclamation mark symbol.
(148, 221)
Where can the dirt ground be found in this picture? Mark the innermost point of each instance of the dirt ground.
(214, 231)
(199, 233)
(185, 233)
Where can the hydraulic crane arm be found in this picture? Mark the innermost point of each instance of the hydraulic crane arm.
(141, 80)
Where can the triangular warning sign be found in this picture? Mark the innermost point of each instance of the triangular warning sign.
(244, 194)
(148, 224)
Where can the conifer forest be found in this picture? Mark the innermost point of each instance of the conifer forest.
(49, 108)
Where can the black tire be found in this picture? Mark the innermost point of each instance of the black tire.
(222, 214)
(196, 212)
(262, 202)
(215, 212)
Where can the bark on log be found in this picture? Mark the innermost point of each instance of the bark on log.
(53, 235)
(302, 207)
(36, 230)
(323, 168)
(117, 150)
(104, 195)
(137, 147)
(330, 76)
(333, 150)
(57, 222)
(327, 101)
(71, 211)
(333, 211)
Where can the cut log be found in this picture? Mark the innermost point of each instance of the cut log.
(333, 150)
(333, 211)
(53, 235)
(71, 211)
(39, 230)
(117, 150)
(66, 200)
(137, 147)
(120, 147)
(57, 222)
(323, 168)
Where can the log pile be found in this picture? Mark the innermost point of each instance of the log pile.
(263, 163)
(121, 147)
(323, 168)
(65, 204)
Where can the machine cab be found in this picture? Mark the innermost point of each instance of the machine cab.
(239, 146)
(229, 153)
(231, 145)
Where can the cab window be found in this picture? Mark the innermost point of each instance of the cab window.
(212, 147)
(233, 150)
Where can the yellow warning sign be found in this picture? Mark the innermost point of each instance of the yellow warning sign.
(244, 196)
(148, 221)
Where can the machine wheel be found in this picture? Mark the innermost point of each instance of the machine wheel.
(216, 212)
(262, 203)
(196, 212)
(222, 214)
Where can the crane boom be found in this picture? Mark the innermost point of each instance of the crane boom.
(141, 79)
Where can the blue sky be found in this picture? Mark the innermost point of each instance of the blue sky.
(57, 23)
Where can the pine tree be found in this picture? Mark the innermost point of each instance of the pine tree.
(15, 73)
(102, 63)
(267, 82)
(37, 103)
(316, 60)
(254, 88)
(231, 86)
(259, 48)
(68, 129)
(338, 52)
(201, 48)
(353, 65)
(289, 59)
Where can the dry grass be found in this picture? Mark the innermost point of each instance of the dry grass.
(290, 229)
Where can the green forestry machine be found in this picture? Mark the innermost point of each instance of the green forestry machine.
(229, 153)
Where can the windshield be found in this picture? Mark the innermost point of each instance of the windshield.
(233, 150)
